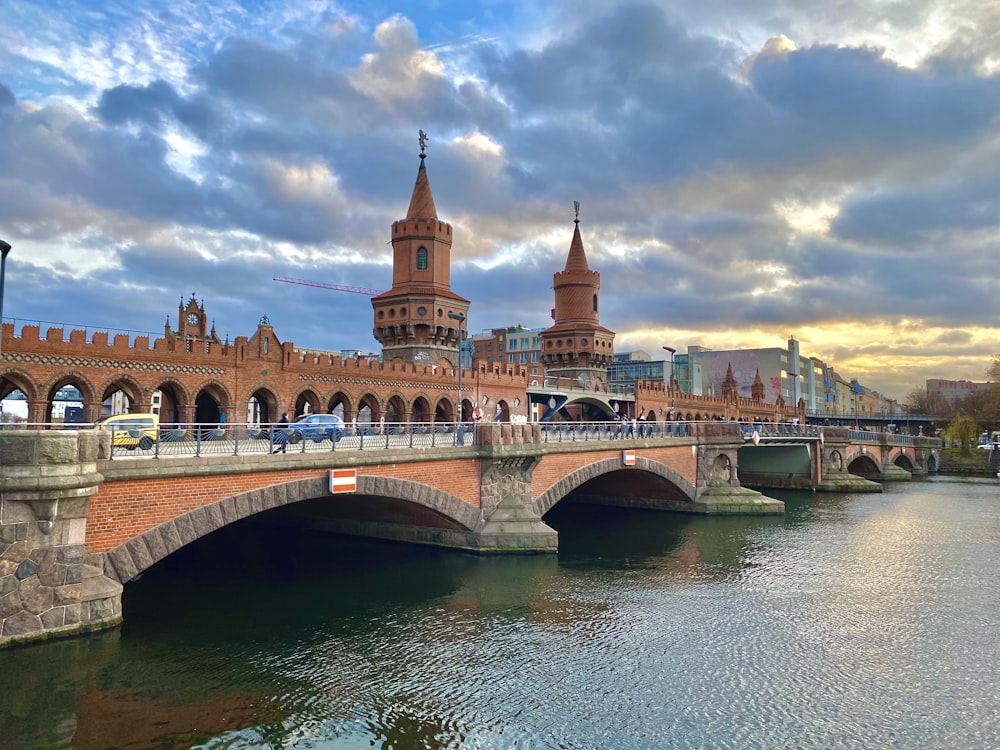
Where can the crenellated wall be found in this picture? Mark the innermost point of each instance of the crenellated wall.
(277, 372)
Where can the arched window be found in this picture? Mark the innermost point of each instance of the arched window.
(266, 347)
(421, 258)
(595, 303)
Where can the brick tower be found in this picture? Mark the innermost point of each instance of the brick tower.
(412, 320)
(576, 346)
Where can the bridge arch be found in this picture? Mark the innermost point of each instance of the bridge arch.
(395, 408)
(903, 461)
(545, 502)
(131, 558)
(420, 409)
(15, 379)
(340, 403)
(78, 381)
(862, 464)
(174, 398)
(138, 398)
(306, 401)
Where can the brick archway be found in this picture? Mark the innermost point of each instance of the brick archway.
(21, 381)
(544, 502)
(126, 561)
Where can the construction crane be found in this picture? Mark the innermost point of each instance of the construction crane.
(336, 287)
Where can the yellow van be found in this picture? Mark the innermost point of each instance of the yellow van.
(131, 430)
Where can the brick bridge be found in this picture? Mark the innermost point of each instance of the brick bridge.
(75, 526)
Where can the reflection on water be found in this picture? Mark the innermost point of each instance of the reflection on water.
(854, 621)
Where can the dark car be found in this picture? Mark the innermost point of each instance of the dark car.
(318, 427)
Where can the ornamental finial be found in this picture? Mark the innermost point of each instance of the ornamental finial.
(422, 140)
(576, 209)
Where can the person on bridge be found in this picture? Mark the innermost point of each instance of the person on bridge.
(280, 437)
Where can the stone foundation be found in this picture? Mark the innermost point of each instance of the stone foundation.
(46, 588)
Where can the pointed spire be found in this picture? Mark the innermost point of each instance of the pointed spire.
(422, 200)
(577, 258)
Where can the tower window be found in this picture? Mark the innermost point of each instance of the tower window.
(421, 258)
(595, 303)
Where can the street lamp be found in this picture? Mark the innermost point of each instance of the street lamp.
(672, 352)
(461, 319)
(4, 249)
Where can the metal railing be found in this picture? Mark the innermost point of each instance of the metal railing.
(575, 432)
(196, 440)
(780, 430)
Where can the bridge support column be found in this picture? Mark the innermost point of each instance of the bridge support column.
(46, 588)
(717, 487)
(509, 524)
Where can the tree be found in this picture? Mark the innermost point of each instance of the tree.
(963, 430)
(992, 399)
(919, 401)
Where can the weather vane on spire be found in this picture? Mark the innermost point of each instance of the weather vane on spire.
(576, 209)
(422, 140)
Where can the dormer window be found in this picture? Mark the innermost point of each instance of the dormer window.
(421, 258)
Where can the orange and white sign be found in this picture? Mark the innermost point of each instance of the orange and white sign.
(343, 480)
(628, 458)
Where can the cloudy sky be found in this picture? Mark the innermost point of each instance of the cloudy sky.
(747, 169)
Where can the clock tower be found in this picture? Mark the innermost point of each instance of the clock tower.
(420, 320)
(192, 323)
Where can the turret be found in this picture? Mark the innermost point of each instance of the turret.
(415, 320)
(576, 346)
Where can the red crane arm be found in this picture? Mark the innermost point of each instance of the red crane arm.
(336, 287)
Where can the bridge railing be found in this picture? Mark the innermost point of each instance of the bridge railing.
(780, 430)
(234, 439)
(573, 432)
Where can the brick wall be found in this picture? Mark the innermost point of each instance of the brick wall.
(124, 509)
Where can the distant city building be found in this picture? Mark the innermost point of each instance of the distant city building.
(954, 390)
(510, 346)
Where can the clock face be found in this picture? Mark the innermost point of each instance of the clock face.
(193, 319)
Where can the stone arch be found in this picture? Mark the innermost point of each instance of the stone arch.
(420, 409)
(262, 404)
(933, 462)
(211, 400)
(174, 398)
(444, 410)
(903, 461)
(863, 464)
(544, 502)
(126, 561)
(341, 404)
(369, 408)
(16, 379)
(306, 401)
(136, 394)
(395, 408)
(82, 384)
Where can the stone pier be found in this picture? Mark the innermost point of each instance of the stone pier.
(47, 589)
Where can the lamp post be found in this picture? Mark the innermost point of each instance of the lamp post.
(4, 249)
(672, 352)
(461, 319)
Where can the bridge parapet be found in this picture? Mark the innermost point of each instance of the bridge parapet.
(46, 588)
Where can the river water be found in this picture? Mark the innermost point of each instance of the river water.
(856, 621)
